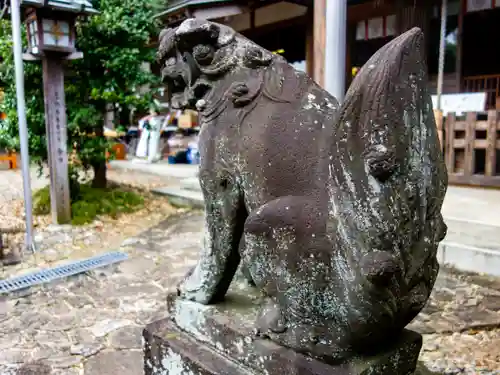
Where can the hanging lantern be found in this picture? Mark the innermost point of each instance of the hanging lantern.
(52, 32)
(51, 24)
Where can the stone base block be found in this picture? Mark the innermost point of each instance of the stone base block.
(219, 340)
(169, 351)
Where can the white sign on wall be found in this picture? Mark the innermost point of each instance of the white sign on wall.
(477, 5)
(460, 103)
(390, 25)
(361, 31)
(374, 28)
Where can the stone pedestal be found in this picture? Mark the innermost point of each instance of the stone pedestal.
(219, 340)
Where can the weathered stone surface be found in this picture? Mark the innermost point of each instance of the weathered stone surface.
(198, 338)
(339, 206)
(103, 327)
(34, 368)
(422, 370)
(70, 322)
(86, 350)
(180, 354)
(115, 362)
(65, 361)
(129, 337)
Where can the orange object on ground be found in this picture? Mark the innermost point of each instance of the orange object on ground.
(119, 151)
(11, 157)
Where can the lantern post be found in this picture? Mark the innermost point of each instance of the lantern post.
(51, 39)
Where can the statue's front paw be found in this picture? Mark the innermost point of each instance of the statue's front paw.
(194, 288)
(185, 293)
(181, 287)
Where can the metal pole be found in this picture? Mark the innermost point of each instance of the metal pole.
(442, 45)
(335, 51)
(21, 113)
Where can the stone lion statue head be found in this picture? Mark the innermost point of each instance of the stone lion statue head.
(199, 53)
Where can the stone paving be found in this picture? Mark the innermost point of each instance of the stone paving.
(91, 324)
(62, 243)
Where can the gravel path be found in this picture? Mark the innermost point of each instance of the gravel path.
(92, 324)
(56, 244)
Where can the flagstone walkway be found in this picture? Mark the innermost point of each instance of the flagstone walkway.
(92, 324)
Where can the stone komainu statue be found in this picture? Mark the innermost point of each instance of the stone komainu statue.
(339, 206)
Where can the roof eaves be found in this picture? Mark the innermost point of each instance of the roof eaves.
(75, 6)
(178, 5)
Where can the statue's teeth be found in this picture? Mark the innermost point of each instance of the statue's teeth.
(200, 104)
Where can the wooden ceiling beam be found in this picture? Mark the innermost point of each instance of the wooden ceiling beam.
(360, 12)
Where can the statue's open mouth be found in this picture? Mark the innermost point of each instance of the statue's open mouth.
(186, 85)
(188, 97)
(192, 57)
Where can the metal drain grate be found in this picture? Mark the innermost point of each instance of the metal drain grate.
(59, 272)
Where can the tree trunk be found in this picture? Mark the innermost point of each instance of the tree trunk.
(125, 117)
(100, 180)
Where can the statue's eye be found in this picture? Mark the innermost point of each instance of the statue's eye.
(171, 61)
(203, 54)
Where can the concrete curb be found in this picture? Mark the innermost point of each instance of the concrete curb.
(469, 258)
(182, 197)
(461, 256)
(170, 171)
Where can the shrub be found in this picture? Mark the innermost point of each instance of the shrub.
(90, 203)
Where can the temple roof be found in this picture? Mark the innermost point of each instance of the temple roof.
(74, 6)
(176, 5)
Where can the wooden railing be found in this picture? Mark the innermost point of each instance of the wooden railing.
(490, 84)
(471, 146)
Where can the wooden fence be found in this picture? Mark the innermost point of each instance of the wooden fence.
(489, 84)
(471, 146)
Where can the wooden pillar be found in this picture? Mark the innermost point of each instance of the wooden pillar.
(55, 123)
(410, 13)
(319, 41)
(491, 148)
(351, 39)
(310, 60)
(438, 116)
(252, 19)
(458, 64)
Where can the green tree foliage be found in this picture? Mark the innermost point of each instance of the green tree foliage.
(115, 44)
(33, 86)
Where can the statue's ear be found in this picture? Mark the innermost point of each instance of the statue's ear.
(226, 35)
(167, 43)
(386, 103)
